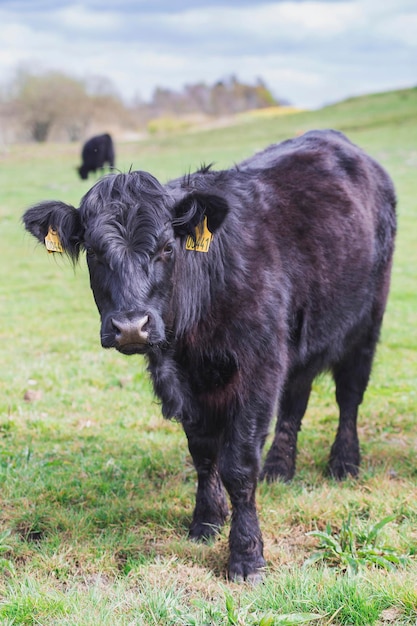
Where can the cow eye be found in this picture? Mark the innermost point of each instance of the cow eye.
(90, 252)
(168, 249)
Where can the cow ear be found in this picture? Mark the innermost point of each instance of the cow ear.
(62, 220)
(191, 210)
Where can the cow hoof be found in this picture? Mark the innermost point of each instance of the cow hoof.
(252, 579)
(247, 572)
(273, 472)
(203, 531)
(339, 470)
(344, 459)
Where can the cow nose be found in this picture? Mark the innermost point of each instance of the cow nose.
(131, 332)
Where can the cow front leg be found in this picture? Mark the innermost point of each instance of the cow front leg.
(211, 508)
(239, 471)
(281, 458)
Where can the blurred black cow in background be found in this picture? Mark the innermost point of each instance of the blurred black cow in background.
(240, 286)
(95, 153)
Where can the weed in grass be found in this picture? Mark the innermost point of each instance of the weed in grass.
(353, 549)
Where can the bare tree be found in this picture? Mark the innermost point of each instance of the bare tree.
(56, 101)
(51, 99)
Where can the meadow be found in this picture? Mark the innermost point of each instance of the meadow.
(97, 489)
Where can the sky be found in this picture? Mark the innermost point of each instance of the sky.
(308, 52)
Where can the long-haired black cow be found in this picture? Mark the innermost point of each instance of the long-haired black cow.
(241, 286)
(96, 152)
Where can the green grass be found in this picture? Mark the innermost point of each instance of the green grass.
(97, 490)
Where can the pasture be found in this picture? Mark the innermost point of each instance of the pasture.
(97, 490)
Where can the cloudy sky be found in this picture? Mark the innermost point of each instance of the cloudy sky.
(310, 52)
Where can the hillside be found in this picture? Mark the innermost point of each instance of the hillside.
(393, 108)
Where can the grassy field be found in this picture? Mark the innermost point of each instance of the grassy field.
(97, 490)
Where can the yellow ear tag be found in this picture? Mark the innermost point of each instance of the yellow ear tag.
(53, 242)
(202, 240)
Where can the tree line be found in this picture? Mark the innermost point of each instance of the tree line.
(40, 106)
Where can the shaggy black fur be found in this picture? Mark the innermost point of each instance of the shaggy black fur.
(295, 282)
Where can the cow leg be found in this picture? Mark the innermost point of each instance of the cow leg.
(281, 457)
(239, 463)
(351, 377)
(211, 507)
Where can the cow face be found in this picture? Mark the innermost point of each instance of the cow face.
(132, 230)
(83, 172)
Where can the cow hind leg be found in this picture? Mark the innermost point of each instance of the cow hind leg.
(281, 458)
(351, 376)
(211, 508)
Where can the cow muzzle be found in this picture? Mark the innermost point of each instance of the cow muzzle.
(132, 335)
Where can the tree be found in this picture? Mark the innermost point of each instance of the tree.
(45, 100)
(225, 97)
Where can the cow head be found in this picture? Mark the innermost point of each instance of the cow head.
(132, 230)
(83, 172)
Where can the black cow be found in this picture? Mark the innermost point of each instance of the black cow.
(241, 286)
(95, 153)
